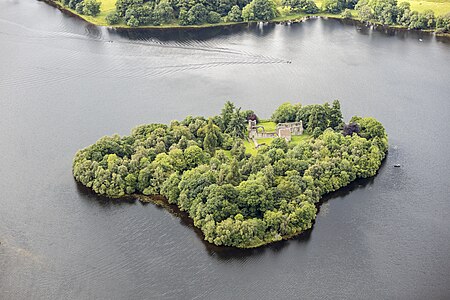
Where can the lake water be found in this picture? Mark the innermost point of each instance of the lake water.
(64, 84)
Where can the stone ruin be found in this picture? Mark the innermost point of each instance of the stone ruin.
(282, 130)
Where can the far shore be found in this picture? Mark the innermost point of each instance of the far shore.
(280, 20)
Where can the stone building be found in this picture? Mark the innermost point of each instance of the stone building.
(283, 130)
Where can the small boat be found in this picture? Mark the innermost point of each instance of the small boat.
(420, 40)
(397, 166)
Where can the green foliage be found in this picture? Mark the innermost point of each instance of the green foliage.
(79, 8)
(307, 6)
(183, 18)
(346, 14)
(112, 18)
(390, 13)
(286, 112)
(443, 23)
(91, 7)
(198, 14)
(123, 5)
(314, 117)
(234, 15)
(259, 10)
(73, 4)
(132, 21)
(214, 17)
(333, 6)
(236, 199)
(164, 12)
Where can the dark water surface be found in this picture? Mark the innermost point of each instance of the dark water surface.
(63, 85)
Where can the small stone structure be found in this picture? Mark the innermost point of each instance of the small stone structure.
(283, 130)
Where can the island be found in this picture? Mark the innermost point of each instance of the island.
(244, 182)
(433, 15)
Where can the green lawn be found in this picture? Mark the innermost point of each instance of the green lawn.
(250, 147)
(268, 125)
(106, 7)
(440, 7)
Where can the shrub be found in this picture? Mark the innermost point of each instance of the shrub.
(213, 17)
(235, 14)
(346, 14)
(91, 7)
(112, 18)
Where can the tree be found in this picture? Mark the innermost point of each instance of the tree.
(443, 23)
(237, 126)
(183, 18)
(197, 15)
(333, 6)
(164, 12)
(213, 17)
(238, 149)
(259, 10)
(112, 18)
(194, 156)
(307, 6)
(347, 14)
(73, 4)
(234, 15)
(225, 6)
(234, 175)
(123, 5)
(236, 199)
(91, 7)
(364, 12)
(226, 115)
(213, 136)
(317, 119)
(335, 115)
(79, 7)
(279, 143)
(286, 112)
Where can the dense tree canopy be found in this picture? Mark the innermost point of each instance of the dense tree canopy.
(314, 117)
(237, 199)
(389, 12)
(261, 10)
(197, 12)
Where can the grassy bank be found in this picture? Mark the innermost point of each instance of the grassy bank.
(440, 7)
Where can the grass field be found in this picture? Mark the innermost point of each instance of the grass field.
(440, 7)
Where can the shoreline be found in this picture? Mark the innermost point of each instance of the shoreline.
(286, 21)
(173, 209)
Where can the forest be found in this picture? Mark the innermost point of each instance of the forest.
(237, 199)
(135, 13)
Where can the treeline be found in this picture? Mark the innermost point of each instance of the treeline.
(196, 12)
(316, 118)
(193, 12)
(388, 12)
(236, 199)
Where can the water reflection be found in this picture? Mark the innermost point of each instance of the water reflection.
(63, 85)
